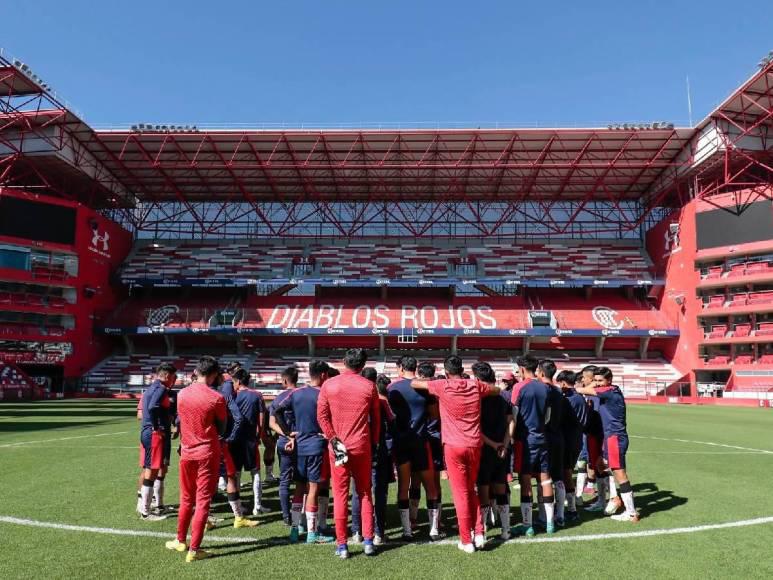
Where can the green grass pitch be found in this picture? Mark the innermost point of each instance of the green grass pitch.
(75, 463)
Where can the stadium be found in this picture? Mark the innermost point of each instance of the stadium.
(646, 248)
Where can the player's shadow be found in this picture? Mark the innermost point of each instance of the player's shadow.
(651, 499)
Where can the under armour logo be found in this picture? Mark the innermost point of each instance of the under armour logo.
(606, 318)
(162, 315)
(97, 238)
(671, 236)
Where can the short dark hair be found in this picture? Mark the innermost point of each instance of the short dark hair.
(370, 373)
(332, 372)
(407, 363)
(566, 377)
(484, 372)
(426, 370)
(355, 358)
(603, 372)
(589, 369)
(291, 374)
(208, 365)
(527, 362)
(382, 382)
(233, 367)
(317, 368)
(548, 367)
(242, 376)
(453, 365)
(166, 368)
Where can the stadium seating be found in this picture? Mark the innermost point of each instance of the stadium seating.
(718, 360)
(763, 297)
(766, 359)
(744, 359)
(717, 331)
(764, 329)
(384, 258)
(14, 383)
(717, 301)
(742, 330)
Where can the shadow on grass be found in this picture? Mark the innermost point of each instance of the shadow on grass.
(651, 499)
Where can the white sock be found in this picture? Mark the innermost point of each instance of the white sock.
(139, 499)
(413, 508)
(257, 488)
(582, 477)
(630, 508)
(236, 507)
(540, 505)
(311, 521)
(147, 497)
(322, 502)
(504, 516)
(560, 499)
(405, 520)
(158, 492)
(549, 512)
(295, 514)
(571, 501)
(612, 487)
(270, 470)
(526, 513)
(434, 521)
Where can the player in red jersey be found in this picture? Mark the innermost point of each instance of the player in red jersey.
(202, 414)
(348, 412)
(460, 411)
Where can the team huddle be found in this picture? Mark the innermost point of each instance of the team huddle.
(357, 431)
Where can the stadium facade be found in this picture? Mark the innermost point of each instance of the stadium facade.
(648, 246)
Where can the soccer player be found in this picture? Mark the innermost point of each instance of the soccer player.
(554, 435)
(203, 417)
(382, 471)
(531, 454)
(460, 409)
(427, 370)
(349, 414)
(575, 416)
(246, 451)
(594, 438)
(496, 419)
(312, 467)
(613, 418)
(156, 441)
(286, 459)
(411, 446)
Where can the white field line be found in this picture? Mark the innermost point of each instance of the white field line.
(723, 445)
(20, 443)
(277, 541)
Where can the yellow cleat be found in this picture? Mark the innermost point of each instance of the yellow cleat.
(197, 555)
(242, 522)
(176, 545)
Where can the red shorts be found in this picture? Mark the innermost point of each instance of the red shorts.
(152, 450)
(228, 460)
(595, 445)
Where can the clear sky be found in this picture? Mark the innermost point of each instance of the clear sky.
(335, 61)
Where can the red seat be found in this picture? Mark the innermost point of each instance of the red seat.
(742, 330)
(766, 359)
(757, 267)
(718, 331)
(718, 360)
(716, 301)
(713, 273)
(743, 359)
(737, 270)
(738, 300)
(764, 329)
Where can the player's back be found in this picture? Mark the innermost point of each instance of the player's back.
(350, 398)
(410, 409)
(575, 414)
(156, 407)
(252, 407)
(612, 410)
(198, 406)
(531, 400)
(554, 413)
(493, 417)
(287, 414)
(304, 404)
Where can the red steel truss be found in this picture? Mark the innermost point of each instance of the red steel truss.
(475, 182)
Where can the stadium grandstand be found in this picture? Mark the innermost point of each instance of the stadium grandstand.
(648, 247)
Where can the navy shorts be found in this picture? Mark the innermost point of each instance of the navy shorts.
(413, 450)
(572, 449)
(531, 459)
(492, 470)
(615, 448)
(245, 455)
(312, 468)
(155, 449)
(556, 457)
(436, 449)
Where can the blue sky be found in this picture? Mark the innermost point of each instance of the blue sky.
(336, 61)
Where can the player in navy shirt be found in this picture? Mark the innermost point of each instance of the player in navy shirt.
(575, 415)
(156, 441)
(232, 430)
(427, 370)
(411, 442)
(531, 453)
(247, 455)
(286, 458)
(312, 466)
(613, 417)
(497, 427)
